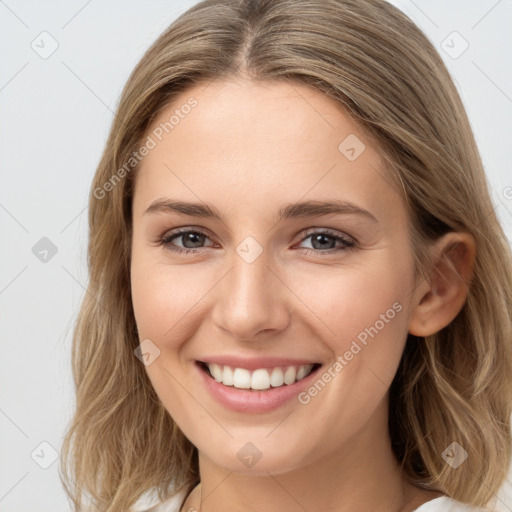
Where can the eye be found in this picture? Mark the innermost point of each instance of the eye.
(191, 240)
(324, 242)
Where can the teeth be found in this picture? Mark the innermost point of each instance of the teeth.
(289, 375)
(259, 379)
(227, 376)
(303, 371)
(216, 372)
(242, 378)
(276, 378)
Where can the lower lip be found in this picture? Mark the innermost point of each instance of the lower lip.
(244, 400)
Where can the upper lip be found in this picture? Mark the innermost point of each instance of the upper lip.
(254, 363)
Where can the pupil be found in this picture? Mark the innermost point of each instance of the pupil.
(194, 238)
(318, 238)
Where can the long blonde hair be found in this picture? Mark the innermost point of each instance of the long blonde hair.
(454, 386)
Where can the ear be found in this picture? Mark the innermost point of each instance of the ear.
(438, 300)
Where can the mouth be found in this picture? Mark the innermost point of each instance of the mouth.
(258, 379)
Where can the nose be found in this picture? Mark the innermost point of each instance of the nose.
(252, 299)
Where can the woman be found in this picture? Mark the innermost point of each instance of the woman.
(299, 291)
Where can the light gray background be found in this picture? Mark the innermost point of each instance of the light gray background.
(55, 116)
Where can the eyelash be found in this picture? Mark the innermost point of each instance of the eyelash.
(349, 243)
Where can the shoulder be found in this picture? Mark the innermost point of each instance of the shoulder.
(446, 504)
(149, 503)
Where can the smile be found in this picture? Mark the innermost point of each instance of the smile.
(258, 379)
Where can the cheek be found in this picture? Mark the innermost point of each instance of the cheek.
(363, 313)
(163, 300)
(345, 301)
(163, 297)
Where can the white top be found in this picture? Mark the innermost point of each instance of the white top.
(441, 504)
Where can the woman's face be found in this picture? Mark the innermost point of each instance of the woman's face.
(273, 284)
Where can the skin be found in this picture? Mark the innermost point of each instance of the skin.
(248, 149)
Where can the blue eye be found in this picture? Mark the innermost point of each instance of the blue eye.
(323, 241)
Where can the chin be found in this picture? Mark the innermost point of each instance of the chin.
(260, 456)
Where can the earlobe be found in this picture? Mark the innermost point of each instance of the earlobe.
(439, 300)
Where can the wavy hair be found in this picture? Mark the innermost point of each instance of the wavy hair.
(453, 386)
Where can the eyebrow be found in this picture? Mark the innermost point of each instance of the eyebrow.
(292, 210)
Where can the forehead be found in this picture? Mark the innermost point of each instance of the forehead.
(250, 114)
(252, 143)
